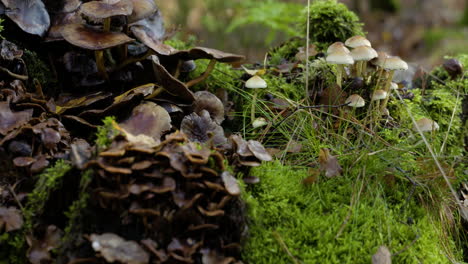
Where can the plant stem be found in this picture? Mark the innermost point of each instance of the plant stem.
(202, 77)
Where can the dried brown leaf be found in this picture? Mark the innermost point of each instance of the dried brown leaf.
(329, 163)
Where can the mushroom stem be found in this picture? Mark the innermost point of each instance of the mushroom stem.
(155, 93)
(252, 110)
(133, 60)
(339, 74)
(364, 69)
(106, 24)
(358, 66)
(387, 89)
(202, 77)
(99, 55)
(177, 71)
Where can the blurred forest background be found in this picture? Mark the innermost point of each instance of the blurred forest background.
(421, 31)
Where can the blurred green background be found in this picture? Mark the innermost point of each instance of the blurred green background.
(421, 31)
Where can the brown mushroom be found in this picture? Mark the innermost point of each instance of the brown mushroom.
(92, 39)
(30, 16)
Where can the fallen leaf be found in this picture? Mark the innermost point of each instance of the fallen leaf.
(329, 163)
(382, 256)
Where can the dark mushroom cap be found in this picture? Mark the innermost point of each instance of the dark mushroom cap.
(147, 124)
(142, 9)
(30, 16)
(207, 101)
(102, 9)
(171, 84)
(92, 39)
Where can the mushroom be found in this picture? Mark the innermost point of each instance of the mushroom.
(355, 101)
(30, 16)
(104, 10)
(92, 39)
(255, 82)
(357, 41)
(425, 124)
(337, 46)
(142, 9)
(340, 58)
(392, 64)
(362, 55)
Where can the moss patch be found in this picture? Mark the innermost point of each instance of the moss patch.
(339, 220)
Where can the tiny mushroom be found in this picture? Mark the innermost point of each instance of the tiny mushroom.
(392, 64)
(425, 124)
(357, 41)
(355, 101)
(379, 95)
(340, 58)
(362, 55)
(337, 46)
(255, 82)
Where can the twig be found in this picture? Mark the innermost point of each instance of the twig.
(285, 247)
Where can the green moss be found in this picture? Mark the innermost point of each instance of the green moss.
(332, 222)
(14, 244)
(38, 70)
(331, 21)
(48, 181)
(286, 51)
(106, 133)
(75, 211)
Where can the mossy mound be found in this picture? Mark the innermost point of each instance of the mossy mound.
(339, 220)
(331, 21)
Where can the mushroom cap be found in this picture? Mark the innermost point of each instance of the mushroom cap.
(205, 100)
(379, 95)
(381, 58)
(393, 86)
(255, 82)
(259, 122)
(340, 57)
(336, 47)
(355, 100)
(102, 9)
(92, 39)
(31, 16)
(394, 63)
(357, 41)
(142, 9)
(425, 124)
(363, 53)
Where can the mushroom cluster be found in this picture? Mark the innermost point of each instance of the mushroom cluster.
(355, 63)
(179, 194)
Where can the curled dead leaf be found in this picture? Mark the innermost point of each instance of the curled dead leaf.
(329, 163)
